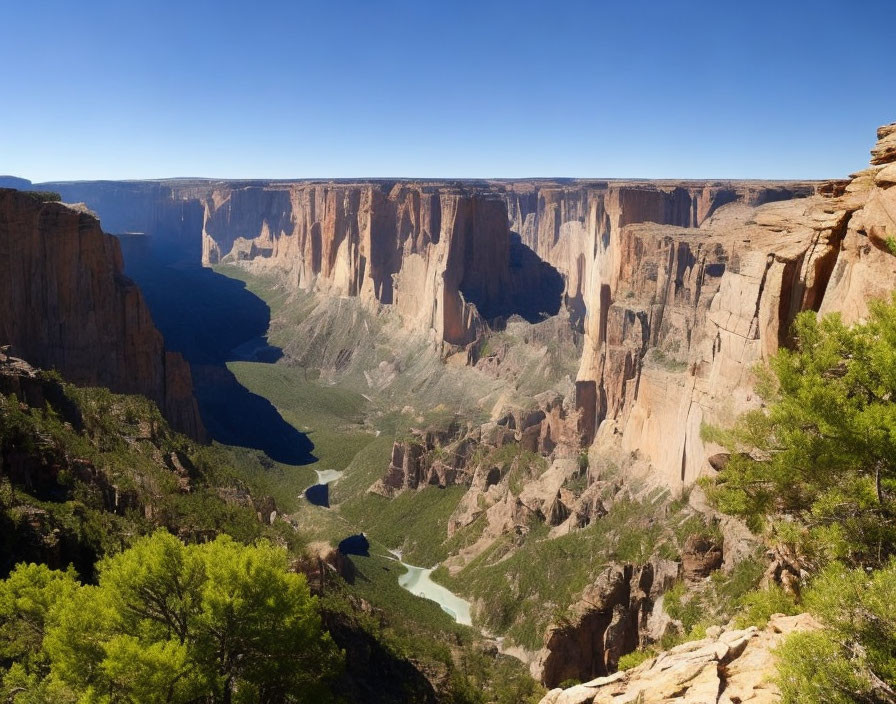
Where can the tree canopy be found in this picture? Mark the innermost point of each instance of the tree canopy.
(166, 622)
(852, 659)
(816, 467)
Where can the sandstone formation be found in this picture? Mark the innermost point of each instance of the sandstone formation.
(679, 287)
(67, 306)
(726, 667)
(677, 317)
(612, 618)
(447, 255)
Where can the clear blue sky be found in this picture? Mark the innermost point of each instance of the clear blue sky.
(629, 88)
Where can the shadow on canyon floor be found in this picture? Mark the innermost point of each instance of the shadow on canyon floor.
(212, 319)
(535, 291)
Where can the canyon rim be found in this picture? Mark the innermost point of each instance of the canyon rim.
(510, 433)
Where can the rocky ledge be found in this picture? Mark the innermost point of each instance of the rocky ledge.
(727, 666)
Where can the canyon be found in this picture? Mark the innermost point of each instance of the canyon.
(654, 275)
(68, 306)
(534, 360)
(679, 288)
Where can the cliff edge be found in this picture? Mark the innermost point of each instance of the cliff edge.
(67, 306)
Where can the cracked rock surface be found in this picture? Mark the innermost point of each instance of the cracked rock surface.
(726, 667)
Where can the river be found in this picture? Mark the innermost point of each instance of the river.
(417, 580)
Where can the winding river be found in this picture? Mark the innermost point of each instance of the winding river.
(417, 580)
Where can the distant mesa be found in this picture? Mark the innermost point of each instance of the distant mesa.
(15, 182)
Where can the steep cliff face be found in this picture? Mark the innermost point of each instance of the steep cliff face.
(678, 316)
(170, 211)
(66, 305)
(442, 255)
(448, 256)
(568, 225)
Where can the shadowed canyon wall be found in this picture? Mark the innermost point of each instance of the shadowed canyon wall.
(442, 255)
(679, 287)
(68, 306)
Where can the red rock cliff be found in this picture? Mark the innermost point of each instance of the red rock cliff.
(67, 305)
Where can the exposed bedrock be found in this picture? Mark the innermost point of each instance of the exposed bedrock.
(727, 666)
(443, 256)
(679, 316)
(67, 305)
(612, 618)
(568, 225)
(679, 287)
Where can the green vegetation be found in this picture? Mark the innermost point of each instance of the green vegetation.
(853, 658)
(366, 467)
(514, 463)
(520, 601)
(657, 356)
(634, 658)
(331, 416)
(285, 483)
(97, 470)
(426, 634)
(816, 468)
(724, 596)
(757, 607)
(377, 581)
(415, 522)
(891, 245)
(44, 196)
(218, 622)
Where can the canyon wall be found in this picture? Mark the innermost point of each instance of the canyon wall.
(67, 305)
(449, 256)
(442, 255)
(679, 316)
(569, 224)
(168, 210)
(679, 287)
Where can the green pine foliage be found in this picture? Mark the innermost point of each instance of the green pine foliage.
(816, 468)
(853, 658)
(166, 622)
(815, 471)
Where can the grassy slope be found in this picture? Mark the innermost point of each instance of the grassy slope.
(522, 600)
(331, 416)
(416, 522)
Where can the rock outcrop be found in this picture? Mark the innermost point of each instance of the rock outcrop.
(612, 617)
(677, 317)
(67, 306)
(726, 667)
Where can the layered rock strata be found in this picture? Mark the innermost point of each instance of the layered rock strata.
(67, 306)
(448, 256)
(441, 255)
(678, 317)
(679, 287)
